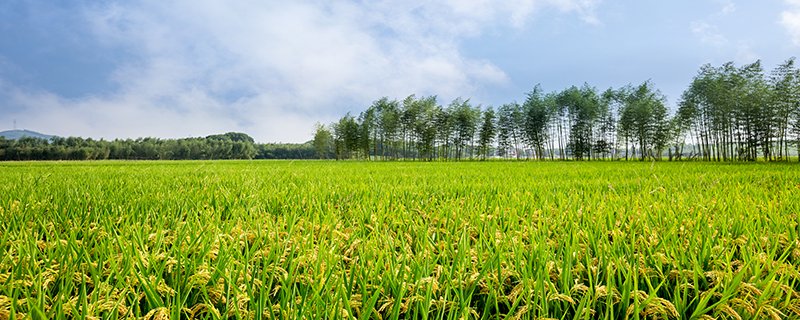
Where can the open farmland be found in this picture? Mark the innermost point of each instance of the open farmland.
(399, 240)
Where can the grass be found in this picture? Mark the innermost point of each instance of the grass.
(399, 240)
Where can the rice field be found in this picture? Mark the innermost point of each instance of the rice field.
(399, 240)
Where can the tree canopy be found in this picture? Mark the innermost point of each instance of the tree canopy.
(231, 145)
(727, 113)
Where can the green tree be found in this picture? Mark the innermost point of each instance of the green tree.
(582, 108)
(387, 125)
(644, 119)
(487, 132)
(785, 84)
(465, 121)
(510, 121)
(444, 123)
(367, 135)
(537, 119)
(322, 138)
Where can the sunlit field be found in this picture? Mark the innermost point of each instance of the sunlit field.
(399, 240)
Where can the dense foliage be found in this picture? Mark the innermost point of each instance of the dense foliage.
(727, 113)
(399, 240)
(232, 145)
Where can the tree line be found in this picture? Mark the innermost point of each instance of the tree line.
(727, 113)
(231, 145)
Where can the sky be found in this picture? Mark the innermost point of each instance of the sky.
(271, 69)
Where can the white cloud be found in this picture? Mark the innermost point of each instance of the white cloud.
(790, 19)
(728, 8)
(516, 11)
(273, 68)
(708, 34)
(745, 55)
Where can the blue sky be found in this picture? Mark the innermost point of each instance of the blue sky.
(172, 69)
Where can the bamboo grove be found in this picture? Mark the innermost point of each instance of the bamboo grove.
(727, 113)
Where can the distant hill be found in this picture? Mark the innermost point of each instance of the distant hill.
(16, 134)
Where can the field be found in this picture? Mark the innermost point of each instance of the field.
(399, 240)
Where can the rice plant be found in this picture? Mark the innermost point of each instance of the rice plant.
(399, 240)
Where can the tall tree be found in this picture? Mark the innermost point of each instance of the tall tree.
(345, 136)
(510, 120)
(322, 138)
(785, 85)
(582, 106)
(387, 125)
(444, 131)
(425, 127)
(644, 119)
(537, 119)
(465, 119)
(408, 118)
(367, 135)
(487, 132)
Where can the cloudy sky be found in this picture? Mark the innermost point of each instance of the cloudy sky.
(173, 69)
